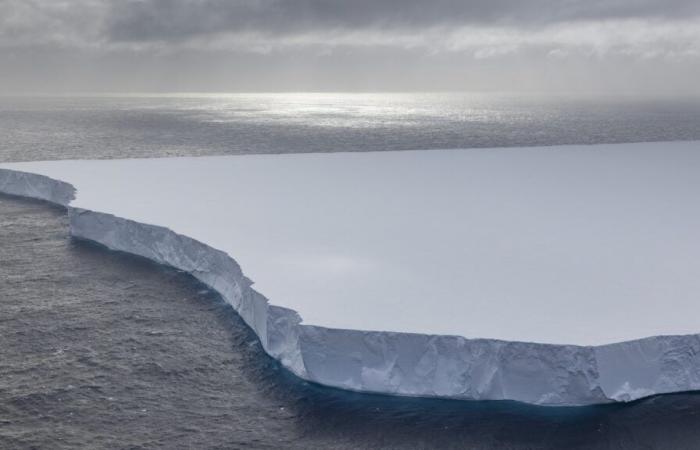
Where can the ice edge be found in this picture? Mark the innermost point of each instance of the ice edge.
(394, 363)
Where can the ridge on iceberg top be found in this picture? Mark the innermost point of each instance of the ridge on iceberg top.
(484, 274)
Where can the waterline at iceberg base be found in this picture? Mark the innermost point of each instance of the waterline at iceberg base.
(414, 361)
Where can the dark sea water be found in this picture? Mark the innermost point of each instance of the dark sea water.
(104, 350)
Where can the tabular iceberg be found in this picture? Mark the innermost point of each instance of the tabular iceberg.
(553, 276)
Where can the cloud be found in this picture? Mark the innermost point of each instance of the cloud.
(177, 20)
(404, 37)
(162, 24)
(26, 23)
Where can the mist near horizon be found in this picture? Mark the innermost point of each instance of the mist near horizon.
(636, 47)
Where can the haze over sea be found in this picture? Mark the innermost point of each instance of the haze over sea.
(103, 350)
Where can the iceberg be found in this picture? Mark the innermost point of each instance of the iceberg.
(562, 275)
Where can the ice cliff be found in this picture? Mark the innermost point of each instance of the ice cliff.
(396, 363)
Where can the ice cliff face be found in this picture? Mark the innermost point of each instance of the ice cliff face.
(36, 186)
(395, 363)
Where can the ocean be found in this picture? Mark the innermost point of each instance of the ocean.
(40, 128)
(104, 350)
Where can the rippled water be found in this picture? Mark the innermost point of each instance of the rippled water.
(104, 350)
(117, 127)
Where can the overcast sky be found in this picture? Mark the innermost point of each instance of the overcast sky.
(350, 45)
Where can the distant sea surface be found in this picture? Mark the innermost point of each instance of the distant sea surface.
(39, 128)
(102, 350)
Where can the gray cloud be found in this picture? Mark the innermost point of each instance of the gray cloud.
(176, 20)
(349, 44)
(105, 23)
(26, 23)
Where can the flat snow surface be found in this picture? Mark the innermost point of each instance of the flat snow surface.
(568, 245)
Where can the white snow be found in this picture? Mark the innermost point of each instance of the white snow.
(582, 245)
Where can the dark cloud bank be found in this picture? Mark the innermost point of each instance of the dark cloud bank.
(140, 20)
(220, 45)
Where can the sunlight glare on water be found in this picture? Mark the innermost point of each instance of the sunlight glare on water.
(124, 126)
